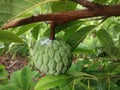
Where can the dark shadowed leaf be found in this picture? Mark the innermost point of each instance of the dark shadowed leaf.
(78, 36)
(35, 31)
(66, 27)
(107, 42)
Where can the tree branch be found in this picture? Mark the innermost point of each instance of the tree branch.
(64, 17)
(88, 4)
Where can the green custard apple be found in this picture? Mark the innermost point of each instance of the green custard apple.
(52, 57)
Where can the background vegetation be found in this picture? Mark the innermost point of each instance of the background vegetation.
(95, 43)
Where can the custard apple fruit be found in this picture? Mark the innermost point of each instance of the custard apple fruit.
(52, 57)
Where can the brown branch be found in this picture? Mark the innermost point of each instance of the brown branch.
(63, 17)
(52, 30)
(88, 4)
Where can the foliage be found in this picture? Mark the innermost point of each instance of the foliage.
(1, 47)
(95, 43)
(3, 74)
(18, 49)
(49, 81)
(20, 80)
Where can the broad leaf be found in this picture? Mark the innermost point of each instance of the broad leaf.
(49, 81)
(16, 79)
(69, 31)
(107, 42)
(21, 30)
(64, 5)
(105, 38)
(9, 9)
(73, 25)
(84, 49)
(35, 31)
(26, 78)
(78, 36)
(66, 87)
(9, 87)
(9, 37)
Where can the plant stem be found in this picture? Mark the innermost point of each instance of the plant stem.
(52, 30)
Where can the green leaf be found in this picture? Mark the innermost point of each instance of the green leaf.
(10, 9)
(2, 67)
(21, 30)
(16, 79)
(49, 82)
(76, 67)
(81, 74)
(84, 50)
(22, 79)
(78, 36)
(69, 31)
(65, 5)
(66, 87)
(105, 38)
(2, 46)
(9, 37)
(26, 78)
(109, 68)
(106, 41)
(9, 87)
(67, 27)
(35, 31)
(107, 85)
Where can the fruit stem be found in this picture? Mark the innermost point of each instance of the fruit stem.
(52, 30)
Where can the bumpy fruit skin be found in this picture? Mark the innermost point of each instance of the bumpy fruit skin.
(52, 57)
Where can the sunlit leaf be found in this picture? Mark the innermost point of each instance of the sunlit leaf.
(9, 37)
(26, 78)
(9, 9)
(49, 81)
(64, 5)
(16, 79)
(21, 30)
(9, 87)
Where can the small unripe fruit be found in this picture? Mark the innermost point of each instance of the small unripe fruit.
(52, 56)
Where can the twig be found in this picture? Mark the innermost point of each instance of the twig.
(12, 64)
